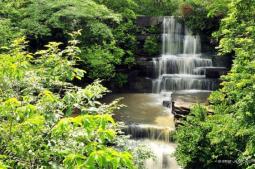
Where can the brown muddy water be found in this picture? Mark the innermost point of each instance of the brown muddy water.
(148, 123)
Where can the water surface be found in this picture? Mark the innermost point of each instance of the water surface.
(143, 109)
(148, 115)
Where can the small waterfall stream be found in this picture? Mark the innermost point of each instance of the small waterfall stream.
(180, 68)
(181, 64)
(148, 123)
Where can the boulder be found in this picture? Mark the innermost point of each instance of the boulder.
(182, 103)
(180, 110)
(166, 103)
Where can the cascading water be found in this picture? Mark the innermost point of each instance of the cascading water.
(181, 68)
(181, 64)
(148, 123)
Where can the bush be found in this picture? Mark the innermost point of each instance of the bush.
(102, 60)
(46, 122)
(120, 79)
(152, 46)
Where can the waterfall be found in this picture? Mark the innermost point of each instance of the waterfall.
(149, 131)
(180, 65)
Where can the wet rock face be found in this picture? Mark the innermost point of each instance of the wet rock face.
(140, 85)
(222, 61)
(215, 72)
(145, 68)
(146, 21)
(137, 82)
(180, 111)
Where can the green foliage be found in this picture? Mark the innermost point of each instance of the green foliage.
(237, 35)
(36, 102)
(229, 132)
(214, 8)
(209, 141)
(42, 21)
(7, 33)
(190, 144)
(99, 33)
(108, 28)
(92, 133)
(203, 16)
(141, 153)
(40, 17)
(120, 79)
(3, 166)
(157, 7)
(195, 16)
(102, 60)
(124, 38)
(126, 7)
(151, 46)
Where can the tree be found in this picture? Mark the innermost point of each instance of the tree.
(45, 121)
(229, 132)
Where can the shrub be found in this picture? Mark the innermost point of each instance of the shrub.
(37, 103)
(151, 46)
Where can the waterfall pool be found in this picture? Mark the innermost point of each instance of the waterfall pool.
(149, 123)
(143, 109)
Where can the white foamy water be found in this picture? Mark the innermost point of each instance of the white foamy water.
(181, 54)
(163, 154)
(150, 124)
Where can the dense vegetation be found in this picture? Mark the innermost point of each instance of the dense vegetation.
(46, 121)
(226, 137)
(38, 120)
(44, 21)
(108, 40)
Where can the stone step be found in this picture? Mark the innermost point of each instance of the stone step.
(153, 132)
(215, 72)
(182, 76)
